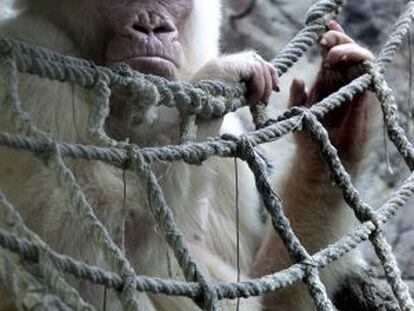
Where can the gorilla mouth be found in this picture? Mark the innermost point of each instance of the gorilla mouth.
(152, 64)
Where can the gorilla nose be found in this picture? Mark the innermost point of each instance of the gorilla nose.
(148, 30)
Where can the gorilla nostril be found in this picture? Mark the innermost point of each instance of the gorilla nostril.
(163, 29)
(142, 29)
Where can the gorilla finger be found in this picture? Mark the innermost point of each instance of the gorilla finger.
(298, 95)
(268, 83)
(256, 84)
(334, 25)
(333, 38)
(351, 53)
(275, 77)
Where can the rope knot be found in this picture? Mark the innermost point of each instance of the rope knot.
(244, 147)
(100, 78)
(310, 263)
(368, 214)
(130, 156)
(376, 76)
(298, 110)
(134, 159)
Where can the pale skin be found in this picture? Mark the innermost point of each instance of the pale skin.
(159, 37)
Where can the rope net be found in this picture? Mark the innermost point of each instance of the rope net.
(206, 99)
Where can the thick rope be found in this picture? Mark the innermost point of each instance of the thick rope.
(206, 99)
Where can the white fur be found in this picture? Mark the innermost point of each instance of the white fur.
(201, 197)
(205, 19)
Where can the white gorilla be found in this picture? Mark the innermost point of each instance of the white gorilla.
(178, 40)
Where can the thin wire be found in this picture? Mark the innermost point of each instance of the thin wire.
(236, 173)
(104, 299)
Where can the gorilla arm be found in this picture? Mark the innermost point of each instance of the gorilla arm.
(315, 206)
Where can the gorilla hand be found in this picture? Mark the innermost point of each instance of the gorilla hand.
(347, 126)
(260, 76)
